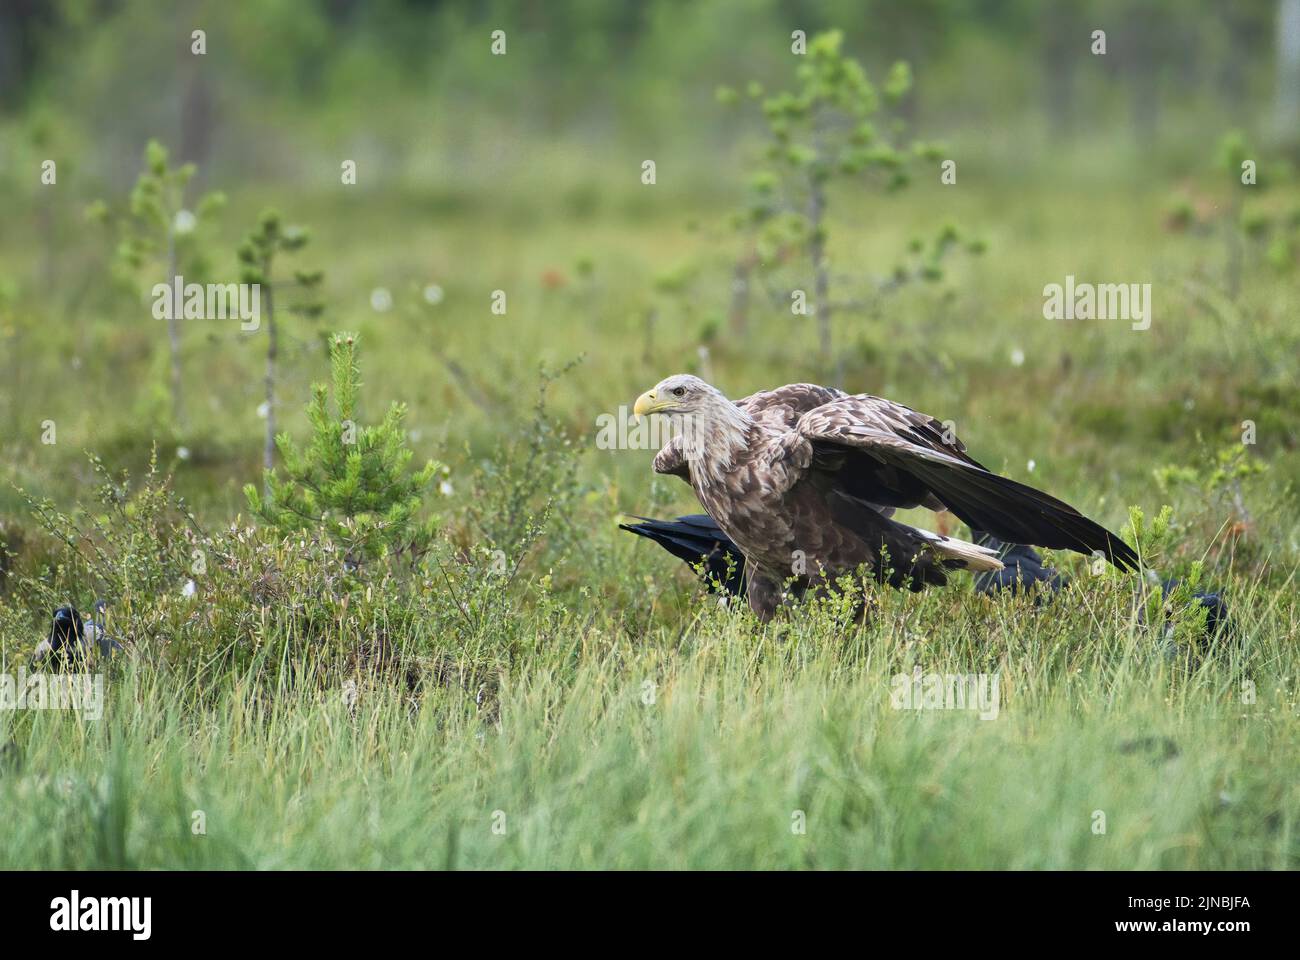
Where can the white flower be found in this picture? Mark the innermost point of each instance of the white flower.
(433, 294)
(184, 222)
(381, 301)
(1031, 466)
(1017, 357)
(263, 409)
(445, 488)
(183, 452)
(189, 589)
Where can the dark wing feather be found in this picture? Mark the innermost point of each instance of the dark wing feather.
(901, 457)
(697, 540)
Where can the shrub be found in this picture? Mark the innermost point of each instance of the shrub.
(350, 482)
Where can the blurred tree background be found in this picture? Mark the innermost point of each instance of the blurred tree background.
(406, 88)
(520, 173)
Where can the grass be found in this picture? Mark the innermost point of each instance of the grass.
(530, 699)
(696, 751)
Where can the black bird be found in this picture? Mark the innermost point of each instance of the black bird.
(74, 638)
(1023, 567)
(697, 540)
(67, 638)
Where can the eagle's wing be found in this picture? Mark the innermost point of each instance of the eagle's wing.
(888, 453)
(671, 459)
(779, 409)
(782, 408)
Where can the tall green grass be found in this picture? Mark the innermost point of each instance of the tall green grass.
(701, 747)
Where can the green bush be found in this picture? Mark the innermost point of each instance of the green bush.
(351, 482)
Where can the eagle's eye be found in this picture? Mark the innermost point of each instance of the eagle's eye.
(679, 392)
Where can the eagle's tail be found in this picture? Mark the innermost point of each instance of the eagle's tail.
(967, 556)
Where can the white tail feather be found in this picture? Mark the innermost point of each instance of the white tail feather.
(972, 555)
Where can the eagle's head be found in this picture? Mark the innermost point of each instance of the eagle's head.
(710, 429)
(679, 394)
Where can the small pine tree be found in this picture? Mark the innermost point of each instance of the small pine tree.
(162, 232)
(351, 482)
(256, 255)
(826, 129)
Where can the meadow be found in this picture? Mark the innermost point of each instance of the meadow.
(596, 707)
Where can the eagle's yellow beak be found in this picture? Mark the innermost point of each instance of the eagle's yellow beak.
(645, 404)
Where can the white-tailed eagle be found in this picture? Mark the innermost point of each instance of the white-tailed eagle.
(804, 480)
